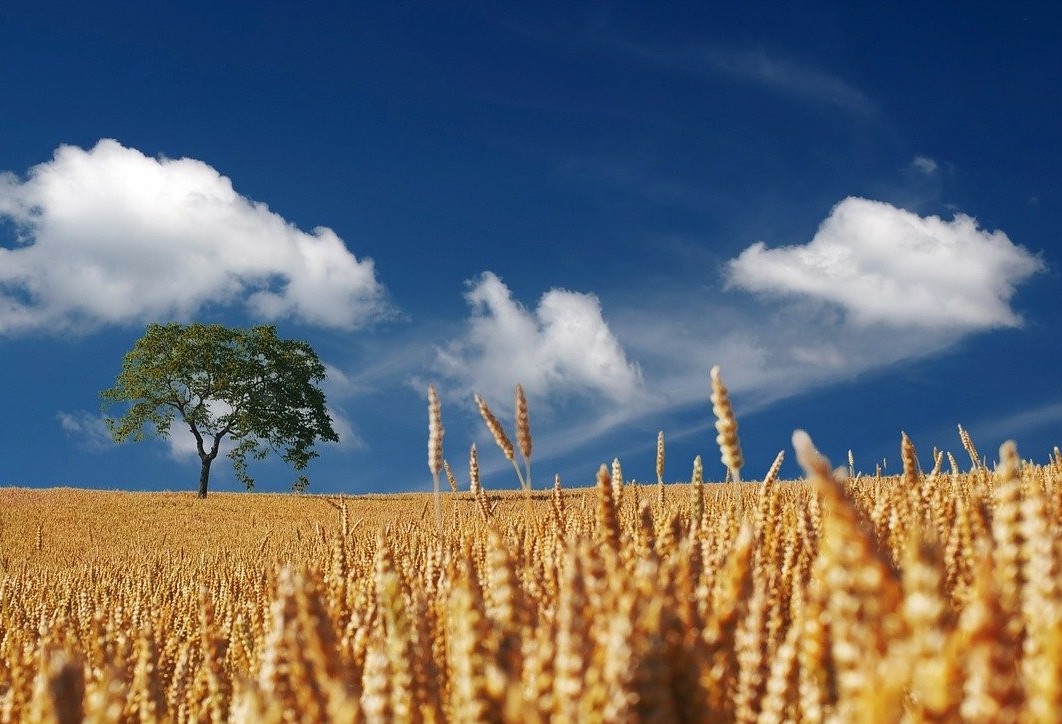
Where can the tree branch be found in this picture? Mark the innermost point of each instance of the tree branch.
(198, 440)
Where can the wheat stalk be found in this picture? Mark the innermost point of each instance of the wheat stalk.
(727, 427)
(523, 433)
(557, 508)
(697, 495)
(967, 443)
(617, 482)
(660, 470)
(772, 472)
(608, 528)
(502, 440)
(435, 449)
(450, 479)
(473, 470)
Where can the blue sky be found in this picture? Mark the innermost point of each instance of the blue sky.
(855, 211)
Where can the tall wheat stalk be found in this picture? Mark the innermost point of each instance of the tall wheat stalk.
(435, 450)
(727, 427)
(523, 433)
(967, 443)
(500, 438)
(660, 470)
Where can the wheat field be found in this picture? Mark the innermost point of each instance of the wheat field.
(924, 596)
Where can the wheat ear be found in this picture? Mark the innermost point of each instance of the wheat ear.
(697, 495)
(660, 469)
(473, 470)
(967, 443)
(500, 437)
(523, 433)
(1041, 602)
(727, 427)
(450, 479)
(608, 528)
(776, 466)
(864, 590)
(435, 449)
(953, 463)
(557, 507)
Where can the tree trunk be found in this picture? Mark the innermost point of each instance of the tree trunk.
(204, 475)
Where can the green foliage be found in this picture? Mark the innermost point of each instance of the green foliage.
(244, 384)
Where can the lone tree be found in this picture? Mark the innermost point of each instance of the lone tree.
(244, 384)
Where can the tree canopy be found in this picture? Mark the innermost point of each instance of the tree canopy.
(248, 385)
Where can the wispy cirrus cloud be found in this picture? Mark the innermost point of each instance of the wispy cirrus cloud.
(86, 430)
(875, 287)
(110, 236)
(1020, 421)
(757, 66)
(780, 74)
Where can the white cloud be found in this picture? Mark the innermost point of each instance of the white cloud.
(846, 313)
(827, 332)
(111, 236)
(182, 447)
(88, 431)
(349, 439)
(337, 384)
(181, 444)
(886, 266)
(925, 164)
(563, 347)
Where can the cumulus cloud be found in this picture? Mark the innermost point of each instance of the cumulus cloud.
(111, 236)
(181, 444)
(888, 267)
(87, 431)
(563, 347)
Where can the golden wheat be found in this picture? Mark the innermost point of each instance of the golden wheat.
(523, 433)
(435, 449)
(726, 426)
(832, 598)
(502, 439)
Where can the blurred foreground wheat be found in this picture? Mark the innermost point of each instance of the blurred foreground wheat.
(916, 597)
